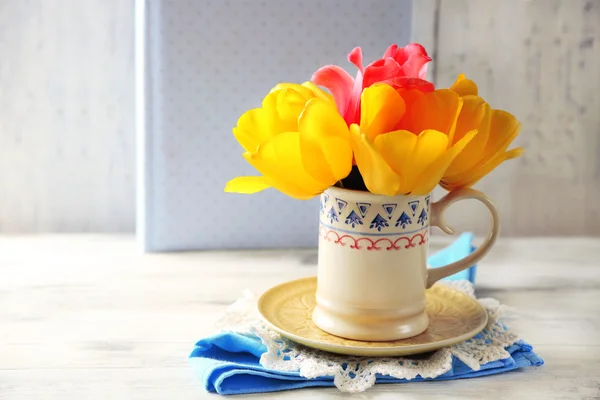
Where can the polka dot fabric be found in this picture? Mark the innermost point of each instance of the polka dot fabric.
(206, 63)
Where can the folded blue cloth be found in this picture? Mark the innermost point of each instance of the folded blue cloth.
(228, 363)
(460, 248)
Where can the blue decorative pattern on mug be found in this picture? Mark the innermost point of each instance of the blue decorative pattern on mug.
(404, 220)
(363, 208)
(378, 223)
(353, 219)
(405, 215)
(341, 204)
(422, 218)
(332, 215)
(413, 206)
(389, 209)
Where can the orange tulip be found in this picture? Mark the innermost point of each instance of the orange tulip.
(401, 150)
(496, 129)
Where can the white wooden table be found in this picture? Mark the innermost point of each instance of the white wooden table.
(90, 317)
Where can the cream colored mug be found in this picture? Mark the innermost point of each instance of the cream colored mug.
(372, 268)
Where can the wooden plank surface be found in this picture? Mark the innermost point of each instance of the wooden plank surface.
(89, 317)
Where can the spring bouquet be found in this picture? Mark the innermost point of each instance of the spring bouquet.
(374, 147)
(387, 131)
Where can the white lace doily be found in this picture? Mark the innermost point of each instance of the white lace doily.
(357, 374)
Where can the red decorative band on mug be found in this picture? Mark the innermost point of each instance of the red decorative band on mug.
(359, 242)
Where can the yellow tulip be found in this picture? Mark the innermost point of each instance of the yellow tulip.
(496, 130)
(406, 151)
(297, 140)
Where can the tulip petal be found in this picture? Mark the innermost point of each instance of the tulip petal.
(308, 90)
(413, 48)
(504, 128)
(474, 176)
(492, 163)
(464, 87)
(382, 108)
(430, 146)
(423, 71)
(414, 64)
(320, 118)
(338, 154)
(352, 115)
(338, 82)
(318, 92)
(380, 71)
(356, 58)
(471, 115)
(396, 148)
(404, 82)
(306, 93)
(280, 161)
(253, 128)
(270, 105)
(290, 104)
(391, 52)
(324, 142)
(246, 139)
(428, 180)
(514, 153)
(477, 161)
(475, 114)
(438, 110)
(270, 101)
(379, 178)
(409, 96)
(247, 184)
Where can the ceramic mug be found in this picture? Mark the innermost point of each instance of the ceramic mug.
(372, 267)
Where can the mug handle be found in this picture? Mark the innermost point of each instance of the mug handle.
(437, 219)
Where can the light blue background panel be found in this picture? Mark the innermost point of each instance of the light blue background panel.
(201, 64)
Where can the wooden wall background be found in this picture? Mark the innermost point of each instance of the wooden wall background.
(66, 116)
(67, 109)
(539, 59)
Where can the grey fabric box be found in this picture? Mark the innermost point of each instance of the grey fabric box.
(201, 64)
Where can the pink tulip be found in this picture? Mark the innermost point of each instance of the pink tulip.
(404, 67)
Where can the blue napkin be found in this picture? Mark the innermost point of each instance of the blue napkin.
(460, 248)
(228, 363)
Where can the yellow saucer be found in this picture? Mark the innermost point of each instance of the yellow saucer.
(453, 318)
